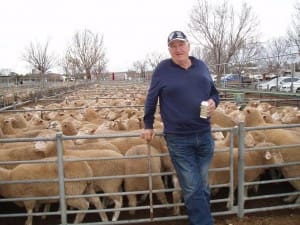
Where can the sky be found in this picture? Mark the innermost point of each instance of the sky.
(131, 28)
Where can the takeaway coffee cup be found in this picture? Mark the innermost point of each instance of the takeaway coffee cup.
(203, 109)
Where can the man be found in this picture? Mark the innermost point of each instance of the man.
(180, 84)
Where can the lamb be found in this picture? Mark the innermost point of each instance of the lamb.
(258, 136)
(160, 144)
(129, 124)
(7, 126)
(50, 171)
(9, 130)
(114, 166)
(113, 114)
(19, 153)
(140, 166)
(28, 116)
(92, 116)
(291, 171)
(107, 126)
(269, 119)
(69, 128)
(221, 159)
(253, 103)
(93, 144)
(124, 143)
(168, 166)
(20, 121)
(248, 141)
(291, 117)
(254, 118)
(37, 123)
(27, 134)
(220, 118)
(82, 144)
(259, 157)
(264, 107)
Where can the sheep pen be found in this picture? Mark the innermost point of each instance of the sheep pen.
(116, 109)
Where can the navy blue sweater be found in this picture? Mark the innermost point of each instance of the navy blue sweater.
(180, 92)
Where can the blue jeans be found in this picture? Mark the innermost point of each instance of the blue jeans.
(191, 156)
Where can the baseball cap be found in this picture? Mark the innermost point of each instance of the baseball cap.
(177, 35)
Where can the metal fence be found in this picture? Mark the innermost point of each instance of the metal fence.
(230, 202)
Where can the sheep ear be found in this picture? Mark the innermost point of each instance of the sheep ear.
(268, 155)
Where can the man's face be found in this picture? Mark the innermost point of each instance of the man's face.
(179, 50)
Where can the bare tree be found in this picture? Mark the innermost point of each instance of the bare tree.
(197, 52)
(294, 31)
(221, 31)
(246, 57)
(38, 57)
(99, 68)
(202, 53)
(153, 59)
(140, 67)
(277, 54)
(70, 66)
(86, 51)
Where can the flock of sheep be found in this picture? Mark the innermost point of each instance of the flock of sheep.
(120, 164)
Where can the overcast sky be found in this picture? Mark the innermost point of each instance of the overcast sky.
(131, 28)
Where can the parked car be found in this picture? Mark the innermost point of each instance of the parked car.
(275, 83)
(257, 76)
(288, 87)
(229, 79)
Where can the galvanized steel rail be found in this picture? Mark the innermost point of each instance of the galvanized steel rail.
(238, 209)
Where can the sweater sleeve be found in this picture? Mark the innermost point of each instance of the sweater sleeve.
(151, 101)
(214, 94)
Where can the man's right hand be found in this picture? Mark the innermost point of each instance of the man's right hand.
(148, 134)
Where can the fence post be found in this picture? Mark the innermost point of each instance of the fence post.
(60, 161)
(150, 180)
(241, 172)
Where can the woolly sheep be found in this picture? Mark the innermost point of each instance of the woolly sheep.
(135, 166)
(19, 153)
(221, 159)
(115, 166)
(20, 121)
(44, 170)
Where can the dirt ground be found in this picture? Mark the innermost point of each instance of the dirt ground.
(285, 217)
(276, 217)
(281, 217)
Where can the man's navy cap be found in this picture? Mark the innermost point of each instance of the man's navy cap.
(177, 35)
